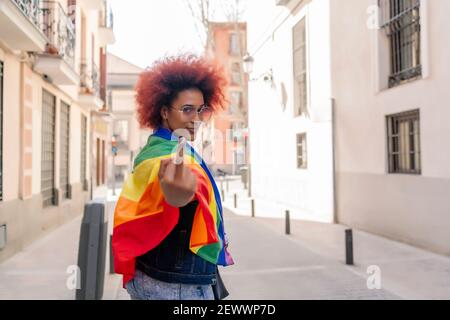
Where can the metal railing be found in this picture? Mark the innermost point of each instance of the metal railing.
(59, 29)
(30, 8)
(401, 21)
(89, 78)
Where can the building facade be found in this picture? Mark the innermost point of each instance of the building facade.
(391, 107)
(129, 137)
(369, 80)
(229, 149)
(51, 58)
(290, 101)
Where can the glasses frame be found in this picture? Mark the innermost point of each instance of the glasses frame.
(199, 111)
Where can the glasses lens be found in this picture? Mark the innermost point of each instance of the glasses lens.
(188, 112)
(205, 114)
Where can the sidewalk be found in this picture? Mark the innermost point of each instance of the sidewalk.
(42, 270)
(310, 262)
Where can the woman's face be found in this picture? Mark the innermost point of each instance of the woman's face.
(175, 116)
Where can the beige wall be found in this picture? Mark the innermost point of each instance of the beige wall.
(23, 213)
(11, 127)
(412, 208)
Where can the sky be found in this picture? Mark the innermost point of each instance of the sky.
(146, 30)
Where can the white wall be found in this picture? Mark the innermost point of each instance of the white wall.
(273, 128)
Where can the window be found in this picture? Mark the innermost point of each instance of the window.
(401, 22)
(301, 151)
(235, 102)
(300, 69)
(234, 44)
(235, 73)
(103, 162)
(403, 133)
(48, 149)
(83, 151)
(99, 163)
(121, 132)
(64, 135)
(1, 130)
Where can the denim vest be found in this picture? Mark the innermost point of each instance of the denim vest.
(173, 261)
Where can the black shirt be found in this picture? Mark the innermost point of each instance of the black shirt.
(172, 260)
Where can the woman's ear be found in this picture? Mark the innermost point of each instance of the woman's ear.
(164, 112)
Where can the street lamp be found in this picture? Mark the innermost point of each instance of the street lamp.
(248, 63)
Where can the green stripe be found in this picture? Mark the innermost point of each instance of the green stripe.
(155, 147)
(211, 252)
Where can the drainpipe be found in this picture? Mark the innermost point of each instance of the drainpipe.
(333, 152)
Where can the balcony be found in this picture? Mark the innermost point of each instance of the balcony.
(106, 32)
(282, 2)
(57, 62)
(93, 5)
(89, 95)
(106, 36)
(19, 25)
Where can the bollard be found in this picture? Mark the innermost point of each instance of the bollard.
(92, 251)
(111, 257)
(349, 247)
(223, 195)
(253, 208)
(288, 223)
(235, 200)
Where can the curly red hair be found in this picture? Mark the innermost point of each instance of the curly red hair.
(160, 84)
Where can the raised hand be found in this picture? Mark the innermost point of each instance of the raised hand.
(177, 181)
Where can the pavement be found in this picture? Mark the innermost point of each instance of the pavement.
(309, 263)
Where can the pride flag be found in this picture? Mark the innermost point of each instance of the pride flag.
(142, 218)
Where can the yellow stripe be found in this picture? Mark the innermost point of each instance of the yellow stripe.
(143, 174)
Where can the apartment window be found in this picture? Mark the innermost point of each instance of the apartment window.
(235, 102)
(103, 161)
(300, 69)
(403, 131)
(401, 22)
(1, 130)
(301, 151)
(64, 152)
(121, 132)
(235, 73)
(48, 149)
(99, 164)
(234, 44)
(83, 165)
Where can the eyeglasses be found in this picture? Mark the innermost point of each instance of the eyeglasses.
(188, 112)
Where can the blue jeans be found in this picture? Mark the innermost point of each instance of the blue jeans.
(143, 287)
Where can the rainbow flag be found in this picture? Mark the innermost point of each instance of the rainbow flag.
(142, 218)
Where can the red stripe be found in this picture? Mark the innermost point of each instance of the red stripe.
(138, 236)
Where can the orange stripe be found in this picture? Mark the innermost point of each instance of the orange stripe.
(150, 203)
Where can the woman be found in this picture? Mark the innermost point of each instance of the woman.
(168, 235)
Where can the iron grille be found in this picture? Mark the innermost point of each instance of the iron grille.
(401, 22)
(64, 143)
(404, 142)
(301, 151)
(48, 149)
